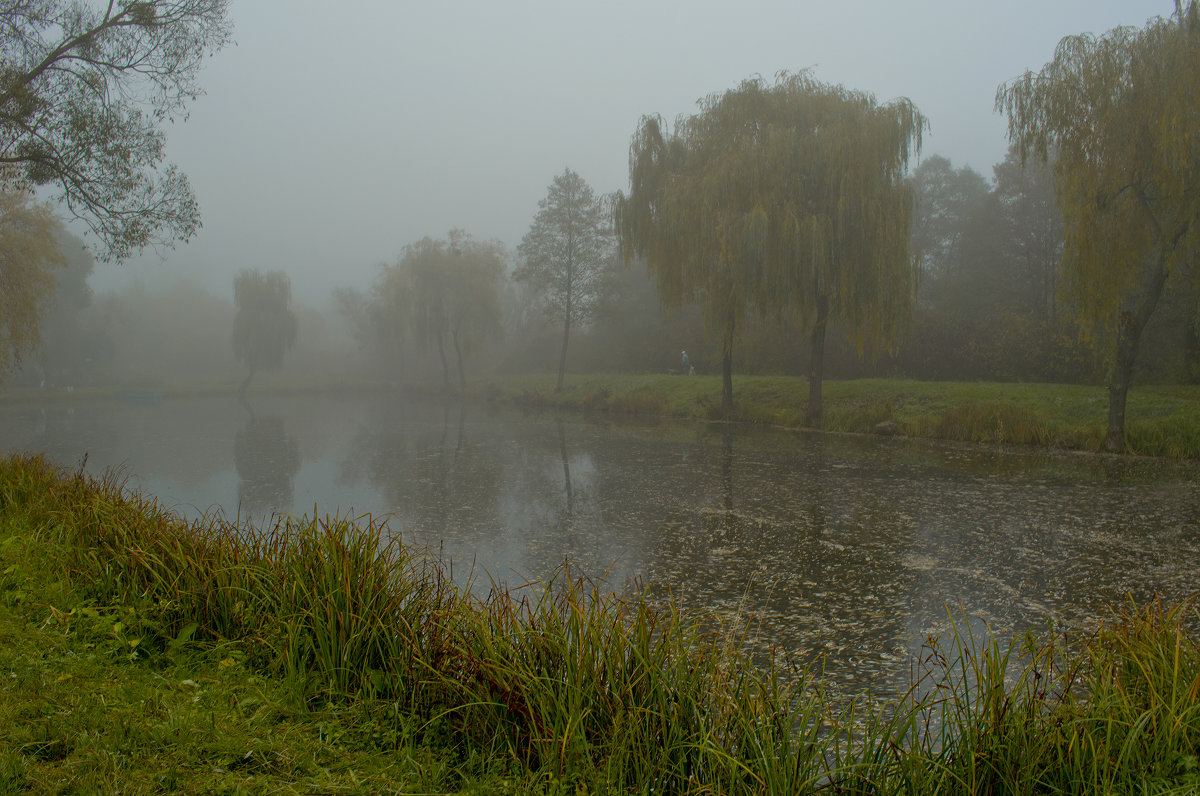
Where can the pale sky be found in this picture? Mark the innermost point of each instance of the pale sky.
(333, 134)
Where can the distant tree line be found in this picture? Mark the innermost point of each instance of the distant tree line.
(784, 213)
(788, 226)
(85, 90)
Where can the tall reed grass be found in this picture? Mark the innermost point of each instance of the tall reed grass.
(585, 689)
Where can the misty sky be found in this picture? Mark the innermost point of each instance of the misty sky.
(332, 135)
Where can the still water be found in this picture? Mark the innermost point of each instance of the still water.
(844, 550)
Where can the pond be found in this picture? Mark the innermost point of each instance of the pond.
(839, 549)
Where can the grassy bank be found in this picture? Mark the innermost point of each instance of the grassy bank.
(1160, 421)
(141, 653)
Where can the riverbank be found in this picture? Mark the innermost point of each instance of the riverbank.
(1160, 421)
(142, 653)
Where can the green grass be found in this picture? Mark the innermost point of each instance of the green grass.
(1160, 421)
(143, 653)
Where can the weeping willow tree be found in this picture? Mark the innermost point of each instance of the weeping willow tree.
(786, 197)
(674, 219)
(1120, 114)
(265, 326)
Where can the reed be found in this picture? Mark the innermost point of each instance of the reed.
(1112, 711)
(575, 687)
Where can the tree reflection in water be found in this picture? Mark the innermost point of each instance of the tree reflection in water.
(516, 498)
(267, 460)
(568, 519)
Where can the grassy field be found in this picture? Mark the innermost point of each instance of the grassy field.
(1160, 421)
(143, 654)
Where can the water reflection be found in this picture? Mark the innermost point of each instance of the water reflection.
(842, 549)
(727, 468)
(568, 519)
(267, 459)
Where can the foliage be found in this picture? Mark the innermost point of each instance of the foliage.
(385, 310)
(784, 197)
(148, 340)
(68, 347)
(949, 343)
(982, 310)
(566, 254)
(631, 332)
(945, 198)
(29, 254)
(377, 319)
(959, 236)
(1118, 113)
(146, 653)
(84, 92)
(446, 292)
(988, 306)
(988, 301)
(265, 325)
(1033, 231)
(170, 336)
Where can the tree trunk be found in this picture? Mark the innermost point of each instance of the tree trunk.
(727, 468)
(566, 463)
(727, 370)
(246, 405)
(562, 356)
(442, 354)
(245, 385)
(816, 365)
(1131, 322)
(462, 377)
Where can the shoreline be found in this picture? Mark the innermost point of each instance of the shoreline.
(1162, 421)
(142, 651)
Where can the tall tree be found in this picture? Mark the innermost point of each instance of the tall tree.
(1034, 242)
(451, 288)
(67, 346)
(565, 254)
(1119, 113)
(84, 91)
(378, 318)
(782, 197)
(988, 297)
(265, 325)
(946, 198)
(673, 217)
(29, 255)
(840, 251)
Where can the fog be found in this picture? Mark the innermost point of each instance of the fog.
(327, 144)
(329, 139)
